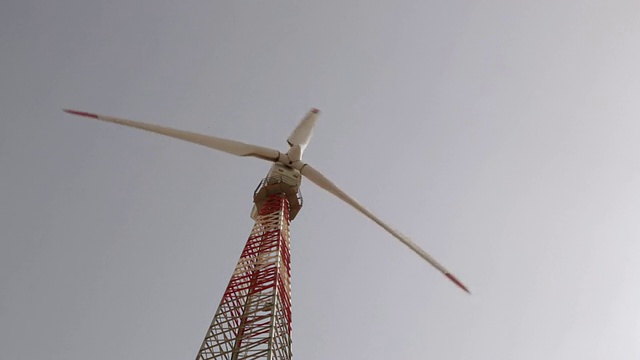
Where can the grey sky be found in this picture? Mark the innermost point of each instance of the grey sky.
(500, 136)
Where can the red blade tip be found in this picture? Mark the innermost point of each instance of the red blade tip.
(457, 282)
(314, 110)
(81, 113)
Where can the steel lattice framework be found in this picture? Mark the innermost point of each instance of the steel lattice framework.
(253, 320)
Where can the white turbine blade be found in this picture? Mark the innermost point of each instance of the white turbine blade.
(301, 135)
(316, 177)
(226, 145)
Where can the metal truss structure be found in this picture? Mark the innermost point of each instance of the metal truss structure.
(253, 320)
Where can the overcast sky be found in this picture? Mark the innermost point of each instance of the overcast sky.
(502, 136)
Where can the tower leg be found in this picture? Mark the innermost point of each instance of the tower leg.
(253, 320)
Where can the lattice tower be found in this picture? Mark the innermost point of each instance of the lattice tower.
(253, 320)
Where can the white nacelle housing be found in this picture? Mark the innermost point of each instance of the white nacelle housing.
(289, 175)
(281, 179)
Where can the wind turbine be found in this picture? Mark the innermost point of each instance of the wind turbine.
(253, 319)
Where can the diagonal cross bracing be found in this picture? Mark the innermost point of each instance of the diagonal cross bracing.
(253, 320)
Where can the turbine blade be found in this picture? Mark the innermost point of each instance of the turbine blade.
(317, 178)
(226, 145)
(301, 135)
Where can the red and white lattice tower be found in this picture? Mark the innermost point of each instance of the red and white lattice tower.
(253, 320)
